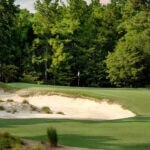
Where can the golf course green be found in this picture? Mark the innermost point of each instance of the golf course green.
(124, 134)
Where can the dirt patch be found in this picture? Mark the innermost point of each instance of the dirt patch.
(30, 144)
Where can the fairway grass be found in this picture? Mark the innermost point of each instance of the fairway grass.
(125, 134)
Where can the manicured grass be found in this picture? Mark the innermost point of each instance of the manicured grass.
(125, 134)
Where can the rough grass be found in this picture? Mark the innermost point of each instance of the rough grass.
(5, 87)
(8, 141)
(125, 134)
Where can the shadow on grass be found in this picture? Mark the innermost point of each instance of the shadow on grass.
(144, 146)
(78, 138)
(75, 140)
(94, 142)
(138, 119)
(17, 122)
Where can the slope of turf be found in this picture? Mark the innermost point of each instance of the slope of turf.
(125, 134)
(135, 99)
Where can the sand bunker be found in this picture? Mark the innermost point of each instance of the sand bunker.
(65, 107)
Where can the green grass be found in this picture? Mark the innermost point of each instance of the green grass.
(125, 134)
(5, 86)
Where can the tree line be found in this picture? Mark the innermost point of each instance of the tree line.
(76, 44)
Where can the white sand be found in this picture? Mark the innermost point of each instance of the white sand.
(104, 1)
(73, 108)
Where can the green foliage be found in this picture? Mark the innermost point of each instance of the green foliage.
(8, 141)
(8, 73)
(58, 41)
(128, 64)
(125, 65)
(52, 136)
(7, 31)
(29, 78)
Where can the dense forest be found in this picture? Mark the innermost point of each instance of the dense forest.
(78, 44)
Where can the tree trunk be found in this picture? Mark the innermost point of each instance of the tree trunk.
(46, 53)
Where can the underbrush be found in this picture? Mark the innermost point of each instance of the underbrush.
(8, 141)
(46, 110)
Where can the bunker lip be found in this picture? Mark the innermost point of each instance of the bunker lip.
(64, 107)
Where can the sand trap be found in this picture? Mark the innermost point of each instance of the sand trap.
(73, 108)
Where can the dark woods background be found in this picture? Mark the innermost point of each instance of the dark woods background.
(77, 44)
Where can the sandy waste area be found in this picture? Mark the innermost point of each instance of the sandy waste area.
(60, 106)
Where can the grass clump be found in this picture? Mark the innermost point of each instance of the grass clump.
(25, 102)
(37, 147)
(8, 111)
(17, 147)
(60, 113)
(2, 108)
(34, 108)
(52, 137)
(46, 109)
(10, 100)
(8, 141)
(14, 111)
